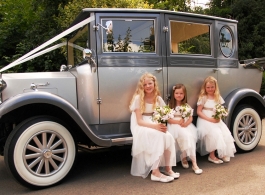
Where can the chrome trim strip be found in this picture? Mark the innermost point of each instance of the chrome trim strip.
(122, 139)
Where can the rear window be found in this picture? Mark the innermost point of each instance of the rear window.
(189, 38)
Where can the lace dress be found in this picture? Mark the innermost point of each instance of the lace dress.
(186, 138)
(150, 146)
(213, 136)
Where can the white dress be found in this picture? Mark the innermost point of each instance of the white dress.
(186, 138)
(149, 145)
(213, 136)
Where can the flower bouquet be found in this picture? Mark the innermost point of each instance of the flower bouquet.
(185, 111)
(162, 114)
(220, 112)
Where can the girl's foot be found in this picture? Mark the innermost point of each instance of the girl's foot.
(215, 160)
(197, 170)
(185, 163)
(172, 174)
(162, 178)
(226, 159)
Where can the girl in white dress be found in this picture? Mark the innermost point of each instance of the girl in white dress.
(182, 129)
(213, 134)
(153, 146)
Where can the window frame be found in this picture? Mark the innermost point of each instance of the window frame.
(135, 16)
(189, 22)
(233, 39)
(124, 19)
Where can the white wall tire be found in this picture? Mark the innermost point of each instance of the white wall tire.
(247, 128)
(40, 152)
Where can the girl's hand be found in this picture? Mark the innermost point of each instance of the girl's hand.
(184, 124)
(161, 127)
(214, 120)
(180, 122)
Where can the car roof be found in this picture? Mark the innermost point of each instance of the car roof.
(85, 13)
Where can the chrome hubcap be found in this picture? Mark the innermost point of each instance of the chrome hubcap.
(45, 153)
(247, 129)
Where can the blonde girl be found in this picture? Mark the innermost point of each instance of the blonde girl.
(213, 134)
(153, 146)
(184, 132)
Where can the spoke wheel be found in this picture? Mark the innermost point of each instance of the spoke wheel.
(247, 128)
(45, 153)
(40, 152)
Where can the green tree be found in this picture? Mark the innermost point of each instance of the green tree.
(124, 45)
(16, 17)
(27, 24)
(177, 5)
(68, 12)
(220, 8)
(251, 28)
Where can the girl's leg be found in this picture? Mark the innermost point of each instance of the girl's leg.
(184, 160)
(212, 158)
(194, 163)
(195, 167)
(155, 169)
(168, 168)
(167, 155)
(156, 172)
(212, 155)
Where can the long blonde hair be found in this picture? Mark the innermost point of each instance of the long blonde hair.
(173, 102)
(140, 91)
(203, 93)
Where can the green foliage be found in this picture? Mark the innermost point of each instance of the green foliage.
(220, 8)
(196, 45)
(16, 16)
(251, 27)
(68, 12)
(123, 45)
(176, 5)
(25, 24)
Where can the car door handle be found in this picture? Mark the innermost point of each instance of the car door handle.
(215, 70)
(158, 70)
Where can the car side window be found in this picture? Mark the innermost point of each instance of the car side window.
(190, 38)
(129, 35)
(226, 41)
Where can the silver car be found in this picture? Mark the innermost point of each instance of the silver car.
(46, 116)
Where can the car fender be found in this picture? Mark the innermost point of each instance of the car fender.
(48, 98)
(236, 96)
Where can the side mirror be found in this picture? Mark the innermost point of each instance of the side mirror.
(87, 53)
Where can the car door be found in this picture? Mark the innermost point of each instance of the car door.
(129, 50)
(190, 52)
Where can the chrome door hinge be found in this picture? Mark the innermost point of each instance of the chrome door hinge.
(99, 101)
(165, 29)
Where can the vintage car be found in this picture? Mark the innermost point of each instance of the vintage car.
(46, 116)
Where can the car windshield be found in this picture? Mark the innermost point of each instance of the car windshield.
(76, 44)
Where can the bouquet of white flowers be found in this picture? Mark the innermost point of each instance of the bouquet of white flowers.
(220, 112)
(185, 111)
(162, 114)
